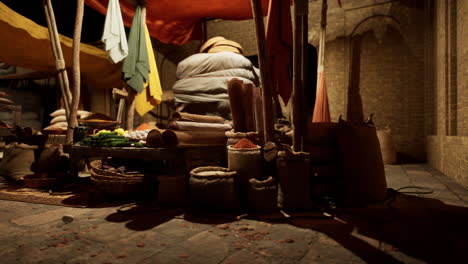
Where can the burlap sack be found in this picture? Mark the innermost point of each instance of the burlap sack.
(17, 161)
(362, 164)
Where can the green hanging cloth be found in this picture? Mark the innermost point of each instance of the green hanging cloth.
(136, 66)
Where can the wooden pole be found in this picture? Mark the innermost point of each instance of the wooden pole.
(304, 68)
(73, 122)
(300, 7)
(264, 71)
(58, 55)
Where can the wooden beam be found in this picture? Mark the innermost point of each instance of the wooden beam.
(268, 121)
(72, 120)
(300, 11)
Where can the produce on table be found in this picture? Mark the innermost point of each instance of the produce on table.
(109, 139)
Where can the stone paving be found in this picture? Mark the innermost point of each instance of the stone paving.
(408, 228)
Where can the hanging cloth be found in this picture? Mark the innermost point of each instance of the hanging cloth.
(321, 109)
(279, 47)
(114, 36)
(135, 66)
(151, 95)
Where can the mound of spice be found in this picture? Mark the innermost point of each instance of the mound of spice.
(244, 143)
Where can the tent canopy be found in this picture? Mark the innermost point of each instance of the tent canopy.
(26, 44)
(175, 21)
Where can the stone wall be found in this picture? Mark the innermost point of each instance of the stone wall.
(448, 147)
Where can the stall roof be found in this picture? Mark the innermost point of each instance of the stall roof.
(175, 21)
(26, 44)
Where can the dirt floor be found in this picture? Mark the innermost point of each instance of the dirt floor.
(409, 227)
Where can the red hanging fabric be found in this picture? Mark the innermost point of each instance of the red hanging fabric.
(321, 109)
(279, 47)
(175, 21)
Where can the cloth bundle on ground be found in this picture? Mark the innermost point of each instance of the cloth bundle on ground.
(17, 161)
(53, 160)
(203, 77)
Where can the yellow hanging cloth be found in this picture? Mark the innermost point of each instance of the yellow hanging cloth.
(151, 95)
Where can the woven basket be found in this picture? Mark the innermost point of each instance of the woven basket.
(115, 184)
(96, 167)
(118, 187)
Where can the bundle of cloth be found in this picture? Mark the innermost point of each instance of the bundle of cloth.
(202, 78)
(59, 119)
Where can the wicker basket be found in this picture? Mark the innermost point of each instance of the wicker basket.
(96, 167)
(116, 184)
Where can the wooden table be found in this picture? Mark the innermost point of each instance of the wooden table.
(180, 158)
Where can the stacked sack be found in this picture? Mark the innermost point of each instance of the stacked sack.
(202, 78)
(4, 100)
(59, 119)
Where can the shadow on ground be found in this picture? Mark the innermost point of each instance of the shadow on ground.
(422, 228)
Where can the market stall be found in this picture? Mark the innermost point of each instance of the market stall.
(247, 153)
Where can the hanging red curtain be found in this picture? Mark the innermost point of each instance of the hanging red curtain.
(279, 47)
(321, 109)
(175, 21)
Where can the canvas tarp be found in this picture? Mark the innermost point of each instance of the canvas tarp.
(175, 21)
(26, 44)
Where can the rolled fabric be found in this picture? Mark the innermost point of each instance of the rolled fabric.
(173, 138)
(154, 138)
(178, 116)
(235, 87)
(197, 126)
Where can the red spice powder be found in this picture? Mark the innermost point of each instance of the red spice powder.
(244, 143)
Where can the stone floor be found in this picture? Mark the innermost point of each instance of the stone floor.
(409, 228)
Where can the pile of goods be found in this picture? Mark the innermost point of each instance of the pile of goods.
(106, 138)
(4, 99)
(139, 135)
(59, 120)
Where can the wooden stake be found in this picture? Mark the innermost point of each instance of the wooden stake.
(73, 122)
(264, 71)
(300, 7)
(58, 55)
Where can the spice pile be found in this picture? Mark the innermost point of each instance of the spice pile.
(244, 143)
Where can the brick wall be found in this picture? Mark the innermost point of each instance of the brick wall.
(448, 149)
(391, 76)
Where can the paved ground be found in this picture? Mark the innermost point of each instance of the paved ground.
(411, 228)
